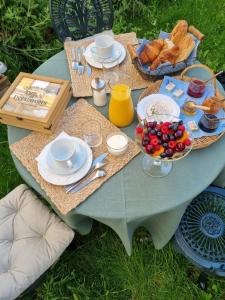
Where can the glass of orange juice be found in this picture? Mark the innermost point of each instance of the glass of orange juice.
(121, 109)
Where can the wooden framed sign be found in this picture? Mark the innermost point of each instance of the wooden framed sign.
(35, 102)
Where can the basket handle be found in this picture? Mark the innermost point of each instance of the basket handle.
(196, 32)
(132, 52)
(217, 92)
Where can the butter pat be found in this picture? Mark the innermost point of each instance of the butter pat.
(192, 125)
(170, 86)
(178, 93)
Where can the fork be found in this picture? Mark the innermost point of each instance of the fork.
(74, 61)
(80, 66)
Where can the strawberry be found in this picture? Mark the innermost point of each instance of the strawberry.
(139, 129)
(157, 147)
(187, 142)
(172, 144)
(164, 129)
(167, 124)
(154, 141)
(181, 127)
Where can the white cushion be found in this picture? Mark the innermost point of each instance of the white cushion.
(31, 239)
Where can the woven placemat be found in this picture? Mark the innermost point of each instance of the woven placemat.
(81, 84)
(199, 143)
(28, 148)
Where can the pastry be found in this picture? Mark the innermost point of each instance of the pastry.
(179, 32)
(151, 51)
(183, 40)
(186, 46)
(169, 55)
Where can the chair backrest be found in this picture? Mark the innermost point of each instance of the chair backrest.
(78, 19)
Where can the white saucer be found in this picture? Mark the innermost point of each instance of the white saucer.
(78, 160)
(118, 57)
(169, 106)
(116, 53)
(55, 179)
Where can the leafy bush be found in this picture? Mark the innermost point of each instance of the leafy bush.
(26, 36)
(27, 39)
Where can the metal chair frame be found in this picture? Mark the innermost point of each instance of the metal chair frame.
(79, 19)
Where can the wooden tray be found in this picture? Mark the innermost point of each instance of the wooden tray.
(199, 143)
(34, 96)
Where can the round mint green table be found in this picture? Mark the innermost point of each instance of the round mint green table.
(131, 198)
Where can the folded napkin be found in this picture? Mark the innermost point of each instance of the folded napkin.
(41, 157)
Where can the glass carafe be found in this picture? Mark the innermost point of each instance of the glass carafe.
(121, 109)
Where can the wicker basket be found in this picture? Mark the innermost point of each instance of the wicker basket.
(199, 143)
(168, 68)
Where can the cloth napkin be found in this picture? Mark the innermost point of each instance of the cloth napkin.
(209, 92)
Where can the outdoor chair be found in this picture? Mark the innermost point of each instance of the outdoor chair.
(79, 19)
(201, 234)
(31, 240)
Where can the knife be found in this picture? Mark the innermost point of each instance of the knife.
(100, 158)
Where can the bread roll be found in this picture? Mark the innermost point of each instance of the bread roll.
(179, 32)
(186, 45)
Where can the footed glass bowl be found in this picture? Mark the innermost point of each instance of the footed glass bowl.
(163, 139)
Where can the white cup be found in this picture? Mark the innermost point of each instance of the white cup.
(63, 151)
(103, 46)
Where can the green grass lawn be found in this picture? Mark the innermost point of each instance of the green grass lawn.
(99, 268)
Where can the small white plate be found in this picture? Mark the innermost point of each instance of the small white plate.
(169, 106)
(55, 179)
(118, 48)
(78, 160)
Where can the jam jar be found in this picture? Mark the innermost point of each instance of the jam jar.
(196, 88)
(214, 104)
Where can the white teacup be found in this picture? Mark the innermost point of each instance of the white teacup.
(103, 46)
(63, 151)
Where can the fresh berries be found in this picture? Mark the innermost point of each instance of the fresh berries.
(154, 141)
(180, 147)
(178, 134)
(163, 139)
(149, 149)
(169, 152)
(181, 127)
(187, 142)
(172, 144)
(139, 129)
(164, 129)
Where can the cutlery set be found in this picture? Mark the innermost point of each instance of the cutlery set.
(97, 164)
(77, 61)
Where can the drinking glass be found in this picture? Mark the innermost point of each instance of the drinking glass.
(92, 133)
(110, 75)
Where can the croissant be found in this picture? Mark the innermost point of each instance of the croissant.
(151, 51)
(179, 32)
(168, 55)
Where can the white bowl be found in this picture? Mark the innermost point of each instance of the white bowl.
(117, 146)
